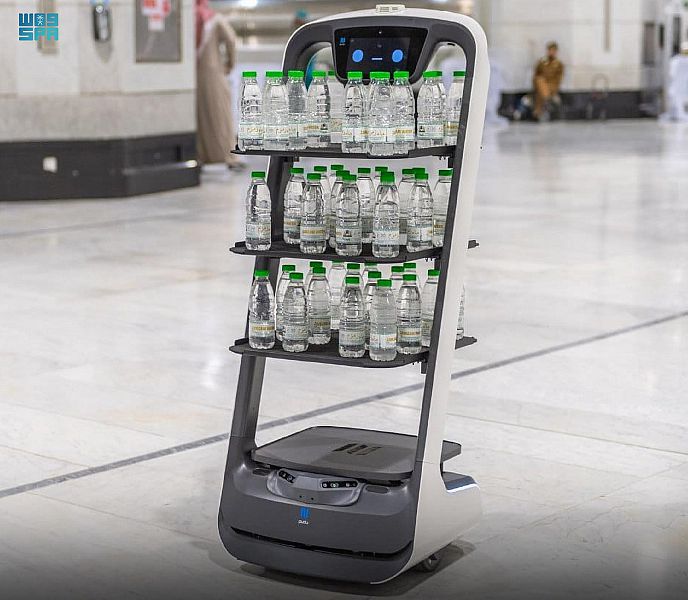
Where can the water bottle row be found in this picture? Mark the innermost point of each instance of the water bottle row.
(348, 210)
(385, 316)
(379, 118)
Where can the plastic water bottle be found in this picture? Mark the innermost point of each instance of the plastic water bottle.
(332, 175)
(336, 280)
(397, 278)
(368, 291)
(461, 326)
(386, 219)
(293, 199)
(250, 113)
(410, 267)
(298, 117)
(312, 265)
(405, 113)
(408, 179)
(408, 316)
(348, 228)
(354, 270)
(420, 215)
(282, 284)
(454, 99)
(332, 208)
(327, 193)
(369, 267)
(379, 170)
(355, 113)
(261, 312)
(430, 131)
(351, 320)
(275, 112)
(427, 306)
(295, 336)
(258, 218)
(381, 122)
(366, 194)
(313, 227)
(383, 323)
(440, 204)
(336, 107)
(318, 304)
(318, 107)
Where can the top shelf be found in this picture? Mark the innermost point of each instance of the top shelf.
(335, 151)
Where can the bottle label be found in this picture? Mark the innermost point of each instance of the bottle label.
(348, 337)
(293, 130)
(348, 235)
(381, 135)
(403, 226)
(250, 131)
(386, 237)
(409, 333)
(386, 341)
(420, 234)
(335, 124)
(314, 128)
(277, 132)
(430, 131)
(319, 324)
(312, 233)
(425, 328)
(292, 226)
(405, 133)
(259, 230)
(353, 134)
(452, 129)
(438, 228)
(295, 332)
(261, 330)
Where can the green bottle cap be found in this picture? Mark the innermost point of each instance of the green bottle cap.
(353, 280)
(419, 170)
(336, 168)
(315, 263)
(318, 73)
(387, 177)
(385, 74)
(384, 283)
(377, 75)
(446, 172)
(401, 74)
(370, 264)
(364, 170)
(257, 174)
(330, 73)
(249, 74)
(434, 273)
(320, 169)
(374, 275)
(261, 273)
(353, 267)
(355, 75)
(295, 276)
(421, 176)
(319, 270)
(398, 269)
(459, 73)
(274, 74)
(408, 171)
(410, 265)
(337, 261)
(313, 177)
(295, 74)
(409, 276)
(381, 169)
(349, 177)
(296, 170)
(288, 268)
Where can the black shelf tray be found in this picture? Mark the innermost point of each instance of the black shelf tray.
(329, 353)
(280, 249)
(335, 151)
(377, 456)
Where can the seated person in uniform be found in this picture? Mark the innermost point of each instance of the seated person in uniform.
(547, 80)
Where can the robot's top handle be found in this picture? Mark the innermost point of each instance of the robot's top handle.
(388, 38)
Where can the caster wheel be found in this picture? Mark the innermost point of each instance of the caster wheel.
(431, 563)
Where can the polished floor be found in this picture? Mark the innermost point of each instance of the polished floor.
(116, 388)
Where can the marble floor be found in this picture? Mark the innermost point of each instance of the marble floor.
(116, 388)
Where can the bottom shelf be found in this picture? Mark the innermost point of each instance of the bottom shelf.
(329, 353)
(376, 456)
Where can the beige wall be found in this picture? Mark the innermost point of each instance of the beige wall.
(90, 89)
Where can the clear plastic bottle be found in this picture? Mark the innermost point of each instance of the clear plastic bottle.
(293, 199)
(275, 112)
(397, 278)
(332, 175)
(336, 189)
(354, 270)
(461, 326)
(336, 280)
(381, 121)
(282, 284)
(383, 323)
(336, 107)
(258, 217)
(379, 170)
(313, 226)
(327, 194)
(386, 220)
(348, 228)
(405, 113)
(366, 194)
(368, 291)
(295, 335)
(318, 307)
(454, 99)
(408, 316)
(250, 113)
(410, 267)
(355, 113)
(318, 107)
(261, 312)
(427, 306)
(430, 126)
(298, 117)
(351, 320)
(369, 267)
(311, 266)
(440, 204)
(420, 215)
(408, 179)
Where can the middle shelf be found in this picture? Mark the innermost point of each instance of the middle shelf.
(329, 353)
(280, 249)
